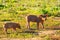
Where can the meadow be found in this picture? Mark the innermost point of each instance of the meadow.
(17, 10)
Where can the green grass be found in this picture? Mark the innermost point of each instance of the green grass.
(49, 23)
(17, 10)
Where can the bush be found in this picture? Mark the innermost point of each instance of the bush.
(22, 9)
(44, 11)
(58, 14)
(2, 6)
(6, 20)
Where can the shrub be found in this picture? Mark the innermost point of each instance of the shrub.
(5, 20)
(22, 9)
(58, 14)
(2, 6)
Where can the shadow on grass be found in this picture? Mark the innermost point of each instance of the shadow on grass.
(31, 31)
(26, 31)
(52, 28)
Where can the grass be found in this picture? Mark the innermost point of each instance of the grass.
(16, 11)
(50, 23)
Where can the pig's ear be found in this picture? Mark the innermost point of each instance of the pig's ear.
(46, 15)
(41, 15)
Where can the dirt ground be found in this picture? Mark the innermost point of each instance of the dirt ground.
(43, 32)
(46, 32)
